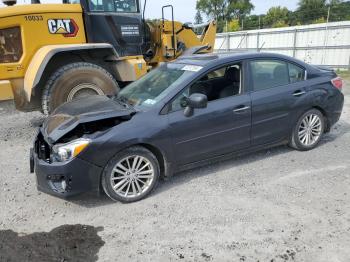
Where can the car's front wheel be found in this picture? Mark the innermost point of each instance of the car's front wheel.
(131, 175)
(308, 131)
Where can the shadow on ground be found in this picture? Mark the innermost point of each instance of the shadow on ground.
(62, 244)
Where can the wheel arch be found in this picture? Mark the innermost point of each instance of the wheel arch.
(324, 113)
(48, 58)
(166, 169)
(162, 160)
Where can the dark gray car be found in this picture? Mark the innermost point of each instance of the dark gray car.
(180, 115)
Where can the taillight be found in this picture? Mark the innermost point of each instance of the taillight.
(10, 45)
(337, 83)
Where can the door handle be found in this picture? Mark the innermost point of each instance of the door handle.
(240, 109)
(298, 93)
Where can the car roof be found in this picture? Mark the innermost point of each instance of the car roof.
(214, 59)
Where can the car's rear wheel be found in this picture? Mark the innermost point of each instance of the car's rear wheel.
(131, 175)
(308, 130)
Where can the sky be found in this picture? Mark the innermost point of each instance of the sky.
(185, 10)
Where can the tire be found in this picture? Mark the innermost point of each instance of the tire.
(76, 80)
(304, 137)
(125, 181)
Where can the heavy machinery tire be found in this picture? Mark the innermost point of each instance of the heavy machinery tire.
(76, 80)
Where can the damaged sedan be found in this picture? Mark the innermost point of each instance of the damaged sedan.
(181, 115)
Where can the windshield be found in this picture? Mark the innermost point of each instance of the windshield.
(151, 88)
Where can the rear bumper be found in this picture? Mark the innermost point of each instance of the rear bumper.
(65, 179)
(334, 115)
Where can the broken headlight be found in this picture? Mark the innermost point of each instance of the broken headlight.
(10, 45)
(66, 152)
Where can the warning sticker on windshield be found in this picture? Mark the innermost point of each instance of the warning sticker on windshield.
(192, 68)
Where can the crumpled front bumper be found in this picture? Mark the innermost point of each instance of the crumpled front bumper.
(65, 179)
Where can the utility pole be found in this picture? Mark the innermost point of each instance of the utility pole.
(329, 11)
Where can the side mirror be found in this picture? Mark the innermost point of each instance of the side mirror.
(195, 100)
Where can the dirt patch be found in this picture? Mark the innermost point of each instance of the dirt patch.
(64, 243)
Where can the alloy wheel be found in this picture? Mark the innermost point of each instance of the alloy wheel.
(132, 176)
(310, 130)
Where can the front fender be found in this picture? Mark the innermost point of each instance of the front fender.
(42, 58)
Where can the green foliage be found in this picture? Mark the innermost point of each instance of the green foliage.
(308, 12)
(232, 26)
(311, 10)
(320, 20)
(339, 11)
(224, 10)
(253, 22)
(276, 17)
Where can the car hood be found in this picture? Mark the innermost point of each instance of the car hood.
(69, 115)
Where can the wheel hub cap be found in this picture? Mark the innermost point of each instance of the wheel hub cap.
(84, 90)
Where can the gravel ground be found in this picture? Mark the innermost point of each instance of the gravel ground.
(274, 205)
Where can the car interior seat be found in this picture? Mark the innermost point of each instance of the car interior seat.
(280, 75)
(232, 82)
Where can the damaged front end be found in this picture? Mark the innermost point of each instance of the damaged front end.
(85, 116)
(65, 134)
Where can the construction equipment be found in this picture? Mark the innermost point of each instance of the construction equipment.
(53, 53)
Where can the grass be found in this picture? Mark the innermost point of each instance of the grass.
(344, 74)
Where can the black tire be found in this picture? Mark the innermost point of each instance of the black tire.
(108, 173)
(58, 88)
(295, 141)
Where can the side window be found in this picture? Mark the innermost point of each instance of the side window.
(120, 6)
(296, 73)
(220, 83)
(269, 73)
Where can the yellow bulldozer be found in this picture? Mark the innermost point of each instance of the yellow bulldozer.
(54, 53)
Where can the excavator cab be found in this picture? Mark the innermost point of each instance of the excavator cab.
(118, 22)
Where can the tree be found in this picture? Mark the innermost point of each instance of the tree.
(277, 17)
(311, 10)
(233, 26)
(198, 19)
(339, 10)
(215, 9)
(253, 22)
(224, 10)
(238, 9)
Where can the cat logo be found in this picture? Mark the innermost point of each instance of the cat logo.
(65, 27)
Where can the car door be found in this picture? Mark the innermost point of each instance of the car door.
(222, 127)
(277, 88)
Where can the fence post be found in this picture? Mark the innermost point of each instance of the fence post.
(295, 42)
(228, 42)
(257, 42)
